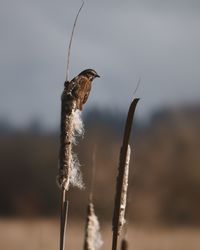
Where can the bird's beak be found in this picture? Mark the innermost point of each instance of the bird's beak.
(97, 75)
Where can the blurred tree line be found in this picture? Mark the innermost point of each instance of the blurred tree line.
(164, 176)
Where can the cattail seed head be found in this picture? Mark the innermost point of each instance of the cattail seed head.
(93, 239)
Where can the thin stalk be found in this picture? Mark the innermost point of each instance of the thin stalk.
(70, 42)
(63, 218)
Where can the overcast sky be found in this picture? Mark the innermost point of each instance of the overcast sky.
(156, 40)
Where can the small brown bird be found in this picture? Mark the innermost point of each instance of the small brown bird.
(79, 87)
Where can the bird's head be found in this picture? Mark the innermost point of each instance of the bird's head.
(90, 74)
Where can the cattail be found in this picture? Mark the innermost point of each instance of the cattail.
(124, 244)
(122, 178)
(71, 126)
(93, 239)
(121, 194)
(124, 191)
(71, 123)
(69, 166)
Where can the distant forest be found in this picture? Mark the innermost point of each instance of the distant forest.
(164, 177)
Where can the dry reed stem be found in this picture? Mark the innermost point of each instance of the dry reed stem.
(63, 218)
(70, 42)
(119, 208)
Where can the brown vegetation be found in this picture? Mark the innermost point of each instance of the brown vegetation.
(44, 234)
(165, 181)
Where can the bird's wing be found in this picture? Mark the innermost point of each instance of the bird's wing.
(87, 92)
(78, 88)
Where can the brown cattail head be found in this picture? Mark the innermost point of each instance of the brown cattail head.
(122, 178)
(121, 193)
(71, 125)
(124, 190)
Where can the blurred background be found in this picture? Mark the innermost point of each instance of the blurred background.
(155, 41)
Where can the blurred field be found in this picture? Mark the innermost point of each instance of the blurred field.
(164, 169)
(163, 188)
(43, 234)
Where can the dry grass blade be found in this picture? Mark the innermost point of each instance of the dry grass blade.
(122, 179)
(70, 43)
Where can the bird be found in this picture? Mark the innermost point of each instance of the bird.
(79, 87)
